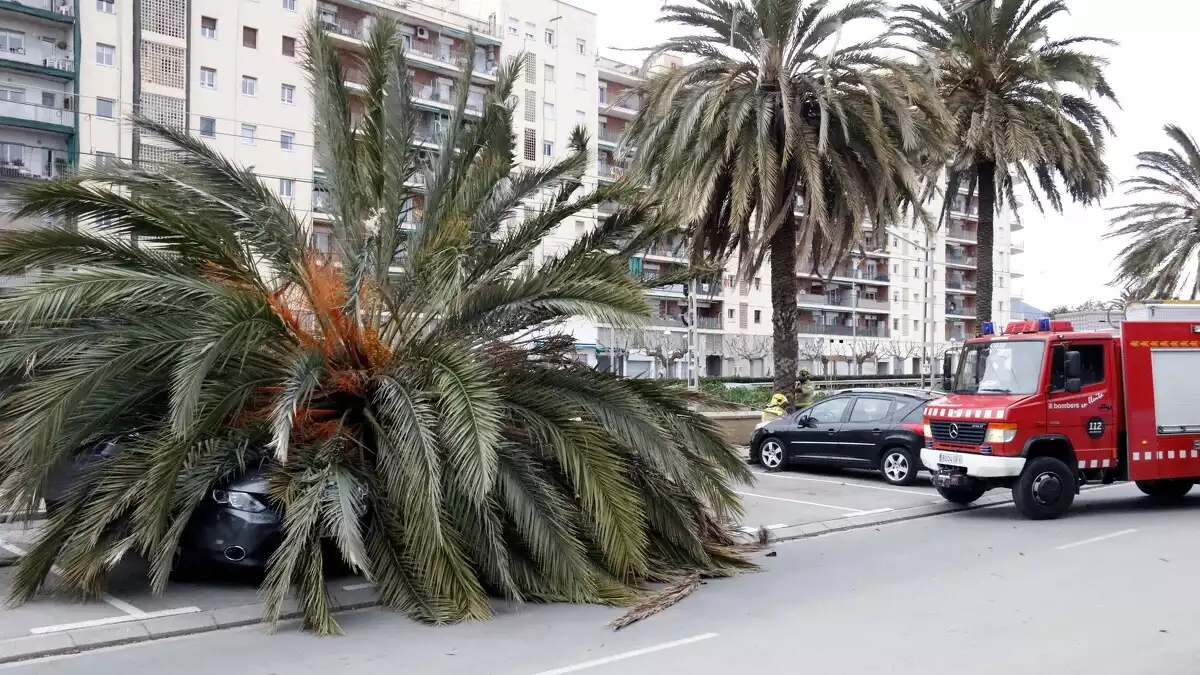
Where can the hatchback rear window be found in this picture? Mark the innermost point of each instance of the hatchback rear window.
(916, 414)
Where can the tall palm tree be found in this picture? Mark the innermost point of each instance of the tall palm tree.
(779, 114)
(1015, 96)
(412, 396)
(1162, 258)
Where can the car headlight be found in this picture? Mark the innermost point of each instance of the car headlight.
(241, 501)
(1000, 433)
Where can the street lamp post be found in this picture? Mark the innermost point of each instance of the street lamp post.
(927, 331)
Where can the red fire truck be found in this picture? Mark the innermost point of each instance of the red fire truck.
(1043, 410)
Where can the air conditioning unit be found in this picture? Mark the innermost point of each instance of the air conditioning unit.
(422, 33)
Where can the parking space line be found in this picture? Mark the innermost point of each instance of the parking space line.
(841, 482)
(866, 513)
(59, 628)
(1095, 539)
(116, 603)
(754, 530)
(797, 501)
(628, 655)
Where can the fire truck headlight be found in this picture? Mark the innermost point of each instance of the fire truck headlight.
(1000, 433)
(928, 431)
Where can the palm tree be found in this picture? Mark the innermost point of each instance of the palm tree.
(1009, 89)
(779, 115)
(411, 395)
(1162, 260)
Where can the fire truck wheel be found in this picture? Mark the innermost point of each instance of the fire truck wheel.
(771, 454)
(1167, 490)
(1045, 489)
(961, 495)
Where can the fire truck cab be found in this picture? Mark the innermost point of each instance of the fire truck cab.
(1042, 410)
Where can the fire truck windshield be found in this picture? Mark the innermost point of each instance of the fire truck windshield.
(1008, 367)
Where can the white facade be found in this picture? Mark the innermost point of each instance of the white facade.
(230, 72)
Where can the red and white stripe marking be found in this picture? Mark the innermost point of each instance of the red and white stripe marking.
(965, 413)
(1153, 455)
(1095, 464)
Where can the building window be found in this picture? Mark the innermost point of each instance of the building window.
(106, 107)
(549, 37)
(289, 5)
(106, 55)
(580, 228)
(12, 41)
(208, 78)
(530, 68)
(549, 73)
(580, 81)
(104, 159)
(106, 6)
(49, 100)
(530, 105)
(248, 131)
(514, 26)
(289, 46)
(208, 27)
(530, 145)
(547, 148)
(287, 94)
(548, 111)
(250, 37)
(287, 140)
(208, 126)
(757, 283)
(249, 86)
(530, 31)
(580, 118)
(287, 188)
(581, 46)
(758, 316)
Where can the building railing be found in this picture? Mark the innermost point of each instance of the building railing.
(614, 171)
(33, 112)
(47, 58)
(958, 259)
(877, 330)
(609, 136)
(960, 233)
(960, 285)
(23, 161)
(960, 310)
(607, 208)
(709, 322)
(359, 30)
(321, 201)
(61, 7)
(666, 250)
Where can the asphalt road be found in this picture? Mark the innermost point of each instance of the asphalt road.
(1111, 590)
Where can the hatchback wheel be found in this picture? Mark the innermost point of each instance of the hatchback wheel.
(770, 453)
(898, 466)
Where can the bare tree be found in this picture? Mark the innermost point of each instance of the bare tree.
(617, 344)
(666, 347)
(816, 350)
(862, 350)
(900, 351)
(747, 348)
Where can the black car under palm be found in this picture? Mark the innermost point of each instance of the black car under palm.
(878, 429)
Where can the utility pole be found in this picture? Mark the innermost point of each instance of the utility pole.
(693, 340)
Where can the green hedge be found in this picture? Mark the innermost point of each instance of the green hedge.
(741, 379)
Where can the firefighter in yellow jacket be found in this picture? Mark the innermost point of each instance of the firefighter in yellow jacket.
(777, 409)
(804, 389)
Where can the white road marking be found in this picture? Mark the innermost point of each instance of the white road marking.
(841, 482)
(59, 628)
(116, 603)
(1096, 539)
(358, 587)
(866, 513)
(754, 530)
(628, 655)
(797, 501)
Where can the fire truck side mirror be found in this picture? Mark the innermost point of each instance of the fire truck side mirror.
(1073, 370)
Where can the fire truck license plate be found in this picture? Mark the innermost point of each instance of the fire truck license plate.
(951, 459)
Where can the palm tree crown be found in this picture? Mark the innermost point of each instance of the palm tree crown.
(1162, 260)
(1008, 87)
(778, 114)
(411, 395)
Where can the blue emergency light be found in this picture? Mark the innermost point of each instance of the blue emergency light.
(989, 328)
(1044, 324)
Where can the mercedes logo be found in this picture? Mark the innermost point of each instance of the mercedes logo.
(954, 430)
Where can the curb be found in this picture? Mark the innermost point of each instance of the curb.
(810, 530)
(158, 628)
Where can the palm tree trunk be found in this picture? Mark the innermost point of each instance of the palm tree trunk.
(987, 215)
(784, 311)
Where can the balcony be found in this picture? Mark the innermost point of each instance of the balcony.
(624, 106)
(321, 202)
(954, 309)
(610, 172)
(60, 11)
(960, 259)
(668, 320)
(710, 290)
(877, 330)
(963, 234)
(22, 162)
(446, 98)
(354, 30)
(960, 285)
(47, 62)
(709, 323)
(607, 208)
(33, 116)
(609, 137)
(434, 135)
(677, 251)
(1017, 245)
(451, 60)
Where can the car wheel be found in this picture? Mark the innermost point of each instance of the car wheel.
(961, 495)
(898, 466)
(1045, 489)
(771, 454)
(1168, 490)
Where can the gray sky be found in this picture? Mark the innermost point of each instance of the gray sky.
(1153, 72)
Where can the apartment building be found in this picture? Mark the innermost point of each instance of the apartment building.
(229, 72)
(39, 79)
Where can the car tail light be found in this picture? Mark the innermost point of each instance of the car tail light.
(918, 429)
